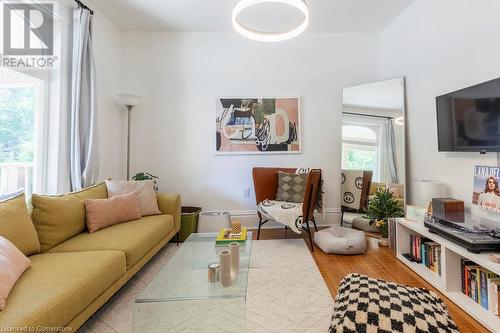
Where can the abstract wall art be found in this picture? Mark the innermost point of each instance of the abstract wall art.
(258, 125)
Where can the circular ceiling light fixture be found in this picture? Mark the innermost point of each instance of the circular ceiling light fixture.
(264, 36)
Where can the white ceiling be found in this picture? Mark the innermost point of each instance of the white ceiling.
(335, 16)
(388, 94)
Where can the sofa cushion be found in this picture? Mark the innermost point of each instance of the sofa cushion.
(58, 218)
(16, 225)
(102, 213)
(291, 187)
(59, 286)
(135, 238)
(144, 189)
(13, 263)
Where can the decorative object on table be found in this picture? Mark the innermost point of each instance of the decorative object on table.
(266, 188)
(495, 258)
(382, 207)
(189, 222)
(486, 192)
(448, 208)
(355, 187)
(213, 221)
(428, 190)
(340, 240)
(129, 101)
(213, 272)
(225, 237)
(357, 291)
(258, 126)
(235, 259)
(226, 279)
(236, 227)
(146, 176)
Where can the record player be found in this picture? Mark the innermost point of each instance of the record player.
(474, 233)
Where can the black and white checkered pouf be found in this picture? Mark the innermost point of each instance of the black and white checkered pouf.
(370, 305)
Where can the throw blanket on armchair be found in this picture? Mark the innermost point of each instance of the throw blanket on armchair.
(287, 213)
(290, 213)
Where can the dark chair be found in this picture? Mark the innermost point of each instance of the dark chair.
(265, 182)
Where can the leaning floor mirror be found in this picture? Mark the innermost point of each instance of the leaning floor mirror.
(373, 147)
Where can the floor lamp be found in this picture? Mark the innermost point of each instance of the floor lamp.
(129, 101)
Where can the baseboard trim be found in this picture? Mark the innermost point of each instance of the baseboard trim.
(250, 220)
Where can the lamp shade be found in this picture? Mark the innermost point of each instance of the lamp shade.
(128, 99)
(430, 189)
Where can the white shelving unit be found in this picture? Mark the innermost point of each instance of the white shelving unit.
(450, 281)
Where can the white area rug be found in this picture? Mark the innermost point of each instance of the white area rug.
(117, 315)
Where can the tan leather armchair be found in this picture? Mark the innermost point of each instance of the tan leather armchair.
(265, 182)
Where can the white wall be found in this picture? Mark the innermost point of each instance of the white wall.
(441, 46)
(180, 75)
(108, 54)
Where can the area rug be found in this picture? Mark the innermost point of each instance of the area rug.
(365, 304)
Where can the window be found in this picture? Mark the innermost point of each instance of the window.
(360, 148)
(21, 102)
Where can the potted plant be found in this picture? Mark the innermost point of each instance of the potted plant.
(380, 208)
(146, 176)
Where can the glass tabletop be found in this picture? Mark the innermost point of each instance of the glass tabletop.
(185, 276)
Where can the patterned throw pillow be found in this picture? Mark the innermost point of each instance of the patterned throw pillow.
(291, 187)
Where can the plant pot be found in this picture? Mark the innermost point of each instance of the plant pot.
(383, 242)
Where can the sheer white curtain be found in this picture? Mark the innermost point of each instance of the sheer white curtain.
(83, 119)
(391, 150)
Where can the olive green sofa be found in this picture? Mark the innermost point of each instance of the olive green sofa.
(73, 272)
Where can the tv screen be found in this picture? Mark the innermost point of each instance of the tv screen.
(469, 119)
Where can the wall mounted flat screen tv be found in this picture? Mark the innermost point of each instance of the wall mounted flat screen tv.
(468, 120)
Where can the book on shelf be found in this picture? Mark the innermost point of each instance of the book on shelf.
(426, 252)
(481, 285)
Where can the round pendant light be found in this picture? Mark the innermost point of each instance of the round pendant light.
(264, 36)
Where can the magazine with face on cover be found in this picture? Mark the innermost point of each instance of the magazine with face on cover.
(486, 192)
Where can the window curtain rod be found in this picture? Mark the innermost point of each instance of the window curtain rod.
(366, 115)
(82, 5)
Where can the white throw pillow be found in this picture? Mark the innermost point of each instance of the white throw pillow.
(144, 190)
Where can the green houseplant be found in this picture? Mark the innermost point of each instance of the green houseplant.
(382, 207)
(146, 176)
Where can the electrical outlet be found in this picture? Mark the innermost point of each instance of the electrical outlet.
(246, 193)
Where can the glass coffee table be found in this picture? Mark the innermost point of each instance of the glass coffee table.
(181, 297)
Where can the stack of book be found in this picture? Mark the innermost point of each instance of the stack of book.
(427, 252)
(225, 237)
(481, 285)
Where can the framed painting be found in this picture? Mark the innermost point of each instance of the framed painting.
(258, 125)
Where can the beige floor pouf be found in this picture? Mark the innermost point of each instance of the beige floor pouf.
(339, 240)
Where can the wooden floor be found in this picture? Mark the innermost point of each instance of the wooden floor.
(377, 262)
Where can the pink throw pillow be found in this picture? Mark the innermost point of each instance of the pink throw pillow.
(102, 213)
(13, 263)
